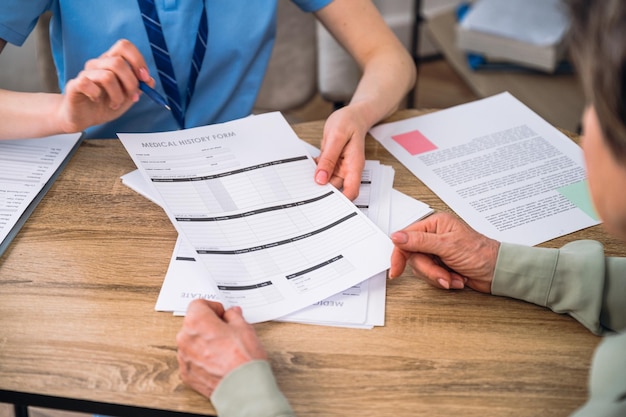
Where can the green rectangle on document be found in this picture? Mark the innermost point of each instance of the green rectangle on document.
(578, 193)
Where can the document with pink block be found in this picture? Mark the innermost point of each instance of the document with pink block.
(501, 167)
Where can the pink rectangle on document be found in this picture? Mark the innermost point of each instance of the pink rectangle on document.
(414, 142)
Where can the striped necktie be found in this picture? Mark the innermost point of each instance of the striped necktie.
(163, 62)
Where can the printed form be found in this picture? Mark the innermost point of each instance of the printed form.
(27, 169)
(242, 195)
(506, 171)
(360, 306)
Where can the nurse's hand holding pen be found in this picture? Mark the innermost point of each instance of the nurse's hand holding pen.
(105, 89)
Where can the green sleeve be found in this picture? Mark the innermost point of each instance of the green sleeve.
(607, 382)
(250, 391)
(577, 280)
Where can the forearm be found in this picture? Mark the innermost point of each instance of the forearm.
(576, 279)
(386, 80)
(101, 92)
(29, 115)
(250, 390)
(388, 71)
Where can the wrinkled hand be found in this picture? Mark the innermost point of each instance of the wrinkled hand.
(213, 342)
(446, 252)
(342, 158)
(105, 89)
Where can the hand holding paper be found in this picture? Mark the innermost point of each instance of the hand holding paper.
(242, 195)
(446, 252)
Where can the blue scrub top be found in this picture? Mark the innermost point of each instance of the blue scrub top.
(240, 40)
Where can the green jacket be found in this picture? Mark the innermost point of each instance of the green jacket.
(576, 279)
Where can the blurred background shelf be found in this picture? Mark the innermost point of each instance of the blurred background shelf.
(558, 98)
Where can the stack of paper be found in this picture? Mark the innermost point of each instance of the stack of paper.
(28, 169)
(529, 33)
(361, 306)
(256, 231)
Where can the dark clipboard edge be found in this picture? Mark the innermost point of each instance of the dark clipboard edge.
(40, 195)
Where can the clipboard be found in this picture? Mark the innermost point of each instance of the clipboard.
(50, 177)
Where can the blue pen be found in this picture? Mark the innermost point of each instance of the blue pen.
(153, 94)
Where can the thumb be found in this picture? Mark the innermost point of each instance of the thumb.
(326, 163)
(398, 263)
(234, 316)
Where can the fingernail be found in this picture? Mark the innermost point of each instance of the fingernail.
(443, 283)
(321, 177)
(399, 237)
(143, 74)
(457, 284)
(135, 97)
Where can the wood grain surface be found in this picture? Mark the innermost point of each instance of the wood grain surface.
(79, 283)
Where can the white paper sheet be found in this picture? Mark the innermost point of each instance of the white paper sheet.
(242, 195)
(27, 166)
(406, 210)
(352, 307)
(506, 171)
(185, 279)
(362, 305)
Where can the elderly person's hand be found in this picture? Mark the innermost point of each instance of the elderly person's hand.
(213, 342)
(446, 252)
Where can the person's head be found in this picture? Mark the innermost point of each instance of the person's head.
(598, 50)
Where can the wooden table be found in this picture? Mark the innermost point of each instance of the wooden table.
(78, 328)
